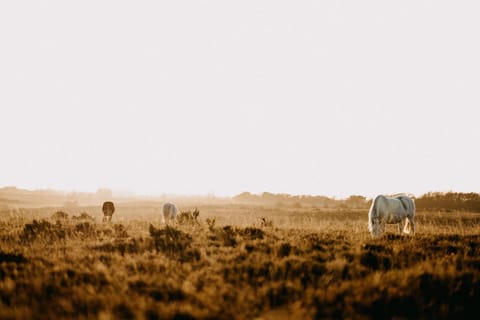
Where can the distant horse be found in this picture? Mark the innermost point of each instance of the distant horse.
(108, 209)
(169, 211)
(399, 209)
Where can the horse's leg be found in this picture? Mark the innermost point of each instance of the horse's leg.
(401, 226)
(382, 227)
(373, 226)
(405, 226)
(412, 225)
(376, 230)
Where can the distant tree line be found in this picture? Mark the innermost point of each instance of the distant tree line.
(449, 201)
(283, 199)
(434, 201)
(48, 197)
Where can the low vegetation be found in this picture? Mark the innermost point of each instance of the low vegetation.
(237, 262)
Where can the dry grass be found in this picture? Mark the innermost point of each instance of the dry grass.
(245, 262)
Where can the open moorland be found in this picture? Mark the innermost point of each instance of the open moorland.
(235, 261)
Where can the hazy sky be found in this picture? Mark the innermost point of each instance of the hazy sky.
(192, 97)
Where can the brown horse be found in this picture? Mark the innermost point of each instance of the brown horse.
(108, 209)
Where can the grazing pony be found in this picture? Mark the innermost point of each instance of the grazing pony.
(399, 209)
(169, 211)
(108, 209)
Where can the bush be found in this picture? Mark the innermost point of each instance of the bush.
(188, 217)
(84, 216)
(85, 230)
(59, 215)
(252, 233)
(120, 231)
(174, 243)
(43, 230)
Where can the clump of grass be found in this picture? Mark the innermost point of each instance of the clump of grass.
(284, 250)
(211, 224)
(84, 216)
(266, 223)
(226, 235)
(251, 233)
(45, 231)
(123, 246)
(59, 215)
(120, 231)
(188, 217)
(85, 230)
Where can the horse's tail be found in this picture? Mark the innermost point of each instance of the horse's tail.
(413, 207)
(371, 213)
(412, 217)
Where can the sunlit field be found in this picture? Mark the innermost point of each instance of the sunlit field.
(235, 262)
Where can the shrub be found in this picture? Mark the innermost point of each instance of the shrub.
(85, 230)
(188, 217)
(59, 215)
(83, 216)
(227, 235)
(43, 230)
(211, 224)
(174, 243)
(252, 233)
(284, 250)
(12, 257)
(266, 223)
(120, 231)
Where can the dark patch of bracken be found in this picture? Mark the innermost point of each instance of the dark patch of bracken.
(161, 291)
(123, 311)
(257, 272)
(183, 316)
(175, 243)
(8, 257)
(284, 250)
(226, 235)
(317, 243)
(251, 233)
(85, 230)
(375, 261)
(120, 231)
(170, 239)
(280, 294)
(84, 216)
(261, 247)
(43, 230)
(123, 246)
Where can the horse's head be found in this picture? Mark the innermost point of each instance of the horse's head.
(375, 227)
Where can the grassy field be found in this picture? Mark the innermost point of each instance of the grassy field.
(236, 262)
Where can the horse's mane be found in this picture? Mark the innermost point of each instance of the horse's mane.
(396, 195)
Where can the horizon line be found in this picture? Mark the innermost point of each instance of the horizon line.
(132, 194)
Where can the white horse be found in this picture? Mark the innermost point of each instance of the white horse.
(169, 211)
(399, 209)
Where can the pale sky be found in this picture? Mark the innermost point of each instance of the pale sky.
(191, 97)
